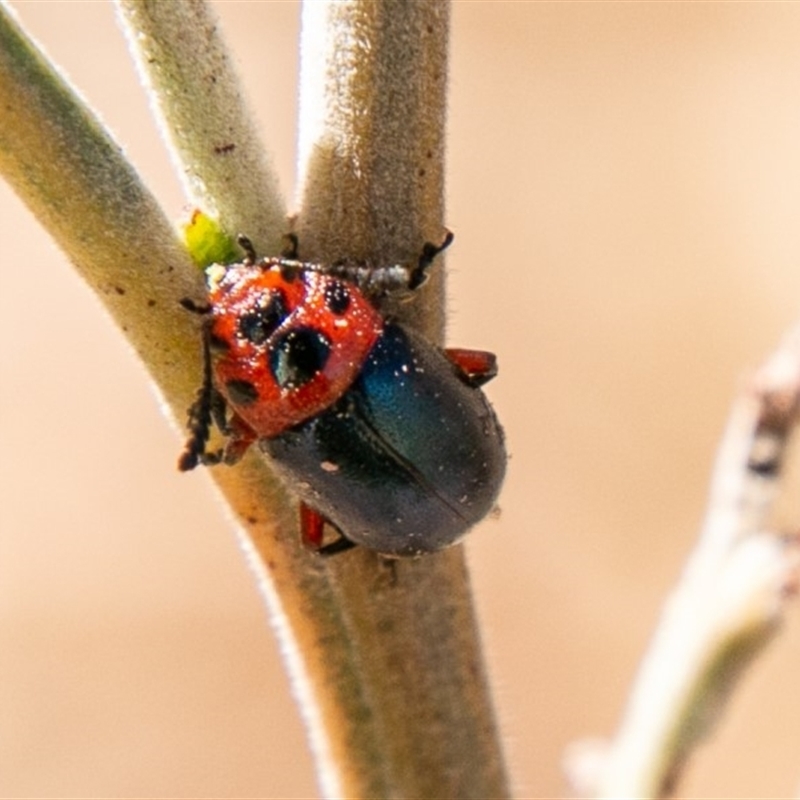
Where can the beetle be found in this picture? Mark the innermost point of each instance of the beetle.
(379, 432)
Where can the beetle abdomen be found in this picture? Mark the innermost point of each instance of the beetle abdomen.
(407, 460)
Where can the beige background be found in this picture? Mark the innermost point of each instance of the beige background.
(624, 183)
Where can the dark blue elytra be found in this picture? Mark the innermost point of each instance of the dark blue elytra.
(407, 460)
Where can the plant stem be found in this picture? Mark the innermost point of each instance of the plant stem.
(218, 149)
(729, 601)
(71, 174)
(384, 656)
(372, 137)
(372, 115)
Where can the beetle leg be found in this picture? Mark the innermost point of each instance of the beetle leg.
(246, 245)
(290, 251)
(240, 437)
(201, 413)
(341, 545)
(218, 409)
(209, 408)
(429, 252)
(312, 525)
(195, 308)
(475, 367)
(312, 530)
(199, 423)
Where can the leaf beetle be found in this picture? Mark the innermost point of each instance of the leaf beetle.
(380, 433)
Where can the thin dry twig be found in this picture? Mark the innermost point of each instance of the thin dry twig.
(728, 604)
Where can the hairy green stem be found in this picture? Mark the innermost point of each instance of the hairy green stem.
(372, 122)
(72, 175)
(215, 143)
(384, 656)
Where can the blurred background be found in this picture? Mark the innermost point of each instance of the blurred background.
(624, 184)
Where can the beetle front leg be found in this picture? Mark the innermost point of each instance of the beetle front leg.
(206, 408)
(240, 437)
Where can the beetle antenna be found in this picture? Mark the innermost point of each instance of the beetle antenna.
(429, 251)
(195, 308)
(246, 245)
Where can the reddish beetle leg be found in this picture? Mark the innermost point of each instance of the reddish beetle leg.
(476, 366)
(312, 531)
